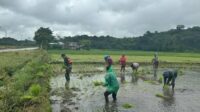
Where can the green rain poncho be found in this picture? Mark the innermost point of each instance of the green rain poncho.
(111, 81)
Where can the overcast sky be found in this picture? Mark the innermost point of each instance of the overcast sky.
(120, 18)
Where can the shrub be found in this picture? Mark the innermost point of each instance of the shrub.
(23, 89)
(10, 70)
(1, 83)
(23, 81)
(26, 98)
(40, 74)
(35, 89)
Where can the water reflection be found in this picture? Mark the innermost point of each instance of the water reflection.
(122, 76)
(168, 92)
(111, 107)
(66, 85)
(134, 78)
(168, 105)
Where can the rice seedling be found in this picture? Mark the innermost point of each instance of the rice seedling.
(160, 80)
(153, 82)
(128, 106)
(162, 96)
(180, 72)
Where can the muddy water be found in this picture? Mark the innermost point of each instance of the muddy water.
(141, 95)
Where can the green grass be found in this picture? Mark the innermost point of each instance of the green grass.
(133, 56)
(10, 62)
(35, 89)
(119, 52)
(27, 89)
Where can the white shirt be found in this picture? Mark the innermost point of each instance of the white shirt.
(135, 65)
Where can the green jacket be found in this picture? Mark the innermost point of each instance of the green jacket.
(111, 81)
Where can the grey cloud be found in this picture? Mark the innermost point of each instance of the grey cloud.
(97, 17)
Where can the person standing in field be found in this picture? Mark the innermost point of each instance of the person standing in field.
(68, 66)
(122, 62)
(111, 81)
(155, 64)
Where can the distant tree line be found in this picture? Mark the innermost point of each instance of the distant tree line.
(179, 39)
(13, 42)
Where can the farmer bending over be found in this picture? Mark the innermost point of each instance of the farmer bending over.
(169, 77)
(68, 66)
(122, 62)
(135, 66)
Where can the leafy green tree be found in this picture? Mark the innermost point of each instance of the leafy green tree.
(86, 44)
(43, 36)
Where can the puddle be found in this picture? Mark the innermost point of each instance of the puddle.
(85, 97)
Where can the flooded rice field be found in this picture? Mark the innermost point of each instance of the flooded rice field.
(80, 95)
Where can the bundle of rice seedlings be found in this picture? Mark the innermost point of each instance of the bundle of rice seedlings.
(97, 83)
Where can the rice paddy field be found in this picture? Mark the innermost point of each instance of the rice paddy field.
(133, 56)
(33, 81)
(84, 93)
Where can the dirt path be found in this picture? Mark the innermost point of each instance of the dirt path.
(20, 49)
